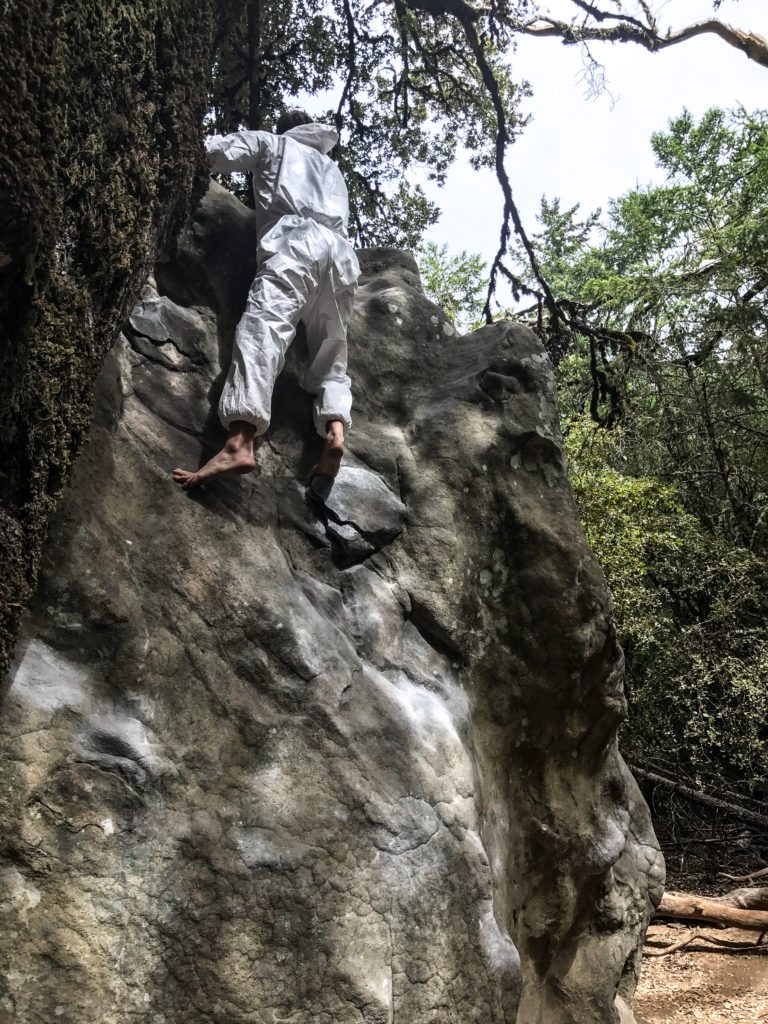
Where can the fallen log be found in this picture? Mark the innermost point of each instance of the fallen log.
(747, 899)
(685, 906)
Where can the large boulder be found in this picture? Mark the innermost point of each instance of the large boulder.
(269, 760)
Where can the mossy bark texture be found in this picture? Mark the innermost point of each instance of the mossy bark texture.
(100, 159)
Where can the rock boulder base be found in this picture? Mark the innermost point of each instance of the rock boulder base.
(266, 760)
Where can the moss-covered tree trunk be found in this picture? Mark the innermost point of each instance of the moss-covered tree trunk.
(100, 157)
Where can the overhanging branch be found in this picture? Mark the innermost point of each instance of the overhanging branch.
(630, 30)
(467, 17)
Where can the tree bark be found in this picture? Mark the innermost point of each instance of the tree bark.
(255, 70)
(101, 108)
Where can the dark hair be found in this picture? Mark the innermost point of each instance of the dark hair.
(291, 119)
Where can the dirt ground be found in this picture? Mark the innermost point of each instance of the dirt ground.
(703, 984)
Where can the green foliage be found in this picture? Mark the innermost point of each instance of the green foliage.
(675, 499)
(691, 610)
(410, 94)
(678, 283)
(456, 283)
(560, 245)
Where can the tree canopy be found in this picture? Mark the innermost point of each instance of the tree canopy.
(409, 91)
(456, 283)
(674, 301)
(414, 80)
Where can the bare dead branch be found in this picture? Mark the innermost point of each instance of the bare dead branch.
(703, 798)
(745, 878)
(697, 935)
(629, 30)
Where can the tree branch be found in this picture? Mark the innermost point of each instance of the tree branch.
(599, 15)
(467, 17)
(700, 936)
(629, 30)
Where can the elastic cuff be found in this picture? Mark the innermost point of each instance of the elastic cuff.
(322, 419)
(260, 424)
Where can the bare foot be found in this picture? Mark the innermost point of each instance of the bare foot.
(330, 460)
(235, 457)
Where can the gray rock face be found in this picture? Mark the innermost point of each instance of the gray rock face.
(267, 760)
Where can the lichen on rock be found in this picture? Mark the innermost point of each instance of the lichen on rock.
(269, 760)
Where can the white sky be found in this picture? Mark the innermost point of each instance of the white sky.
(590, 150)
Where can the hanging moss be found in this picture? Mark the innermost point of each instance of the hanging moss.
(100, 160)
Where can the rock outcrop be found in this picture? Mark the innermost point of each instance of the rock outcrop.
(267, 760)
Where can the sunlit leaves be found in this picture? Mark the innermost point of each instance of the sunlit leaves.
(690, 607)
(456, 283)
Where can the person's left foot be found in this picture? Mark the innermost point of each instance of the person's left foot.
(235, 457)
(333, 451)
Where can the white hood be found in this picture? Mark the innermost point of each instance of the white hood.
(316, 136)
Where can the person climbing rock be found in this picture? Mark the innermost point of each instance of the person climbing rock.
(307, 270)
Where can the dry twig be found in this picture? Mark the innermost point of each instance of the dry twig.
(698, 934)
(745, 878)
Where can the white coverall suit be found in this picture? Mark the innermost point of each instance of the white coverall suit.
(307, 271)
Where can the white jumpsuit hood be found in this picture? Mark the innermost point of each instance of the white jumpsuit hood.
(307, 270)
